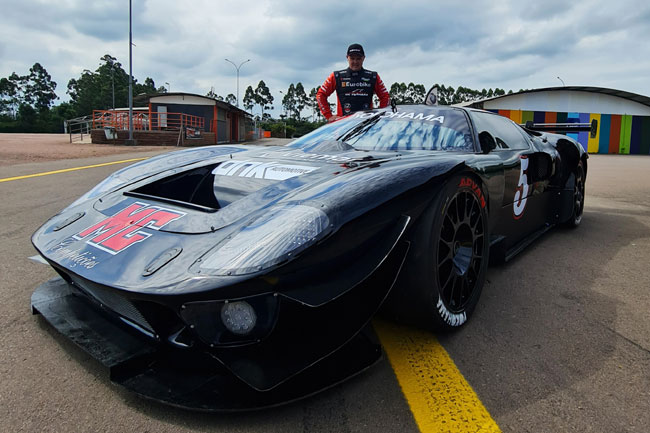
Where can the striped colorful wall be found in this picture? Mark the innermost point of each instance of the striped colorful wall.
(617, 133)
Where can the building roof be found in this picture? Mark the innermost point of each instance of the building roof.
(644, 100)
(209, 100)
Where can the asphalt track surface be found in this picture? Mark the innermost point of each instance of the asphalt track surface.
(560, 340)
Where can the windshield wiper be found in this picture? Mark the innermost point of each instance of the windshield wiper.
(361, 128)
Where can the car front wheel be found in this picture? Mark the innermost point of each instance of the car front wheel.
(445, 271)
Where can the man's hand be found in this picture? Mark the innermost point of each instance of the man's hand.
(333, 118)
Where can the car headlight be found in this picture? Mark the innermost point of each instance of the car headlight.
(272, 238)
(238, 317)
(232, 322)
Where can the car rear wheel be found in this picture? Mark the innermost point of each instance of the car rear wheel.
(445, 271)
(578, 196)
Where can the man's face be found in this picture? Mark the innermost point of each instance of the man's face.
(355, 62)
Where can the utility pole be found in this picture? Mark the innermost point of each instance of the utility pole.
(237, 68)
(130, 141)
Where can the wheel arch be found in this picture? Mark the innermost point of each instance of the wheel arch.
(570, 157)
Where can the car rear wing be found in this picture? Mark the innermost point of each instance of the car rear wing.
(563, 127)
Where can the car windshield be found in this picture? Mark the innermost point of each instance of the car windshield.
(413, 127)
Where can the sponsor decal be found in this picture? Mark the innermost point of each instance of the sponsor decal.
(359, 84)
(123, 229)
(74, 256)
(261, 170)
(469, 183)
(405, 115)
(521, 193)
(304, 155)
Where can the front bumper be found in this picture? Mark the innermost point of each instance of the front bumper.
(189, 379)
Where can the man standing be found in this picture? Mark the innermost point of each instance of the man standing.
(354, 87)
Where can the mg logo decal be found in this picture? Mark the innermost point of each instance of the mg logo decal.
(125, 228)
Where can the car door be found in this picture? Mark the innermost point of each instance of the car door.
(522, 207)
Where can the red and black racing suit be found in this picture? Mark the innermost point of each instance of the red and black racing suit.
(354, 91)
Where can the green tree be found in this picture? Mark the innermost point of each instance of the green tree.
(301, 99)
(250, 99)
(10, 89)
(263, 97)
(148, 88)
(415, 93)
(402, 93)
(312, 104)
(289, 100)
(94, 90)
(231, 99)
(39, 88)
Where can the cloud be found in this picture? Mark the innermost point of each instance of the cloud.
(507, 44)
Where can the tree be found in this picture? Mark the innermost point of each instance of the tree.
(407, 94)
(301, 99)
(398, 92)
(250, 99)
(312, 103)
(148, 88)
(415, 93)
(94, 90)
(289, 99)
(39, 88)
(231, 99)
(10, 89)
(263, 97)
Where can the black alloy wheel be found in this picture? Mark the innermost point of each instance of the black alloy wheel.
(460, 250)
(444, 272)
(578, 196)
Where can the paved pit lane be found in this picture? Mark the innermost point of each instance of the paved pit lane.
(560, 340)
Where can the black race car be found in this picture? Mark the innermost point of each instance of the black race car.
(236, 277)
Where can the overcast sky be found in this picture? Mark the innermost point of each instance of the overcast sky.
(511, 44)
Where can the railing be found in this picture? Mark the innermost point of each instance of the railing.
(120, 119)
(78, 127)
(142, 122)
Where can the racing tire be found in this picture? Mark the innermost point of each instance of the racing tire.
(578, 197)
(445, 273)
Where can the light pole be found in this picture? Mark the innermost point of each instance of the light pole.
(237, 68)
(561, 81)
(284, 121)
(169, 87)
(113, 83)
(131, 141)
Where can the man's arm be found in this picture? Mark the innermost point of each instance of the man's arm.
(328, 87)
(382, 93)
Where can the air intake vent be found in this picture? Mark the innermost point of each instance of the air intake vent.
(113, 301)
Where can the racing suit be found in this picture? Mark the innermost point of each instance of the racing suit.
(354, 91)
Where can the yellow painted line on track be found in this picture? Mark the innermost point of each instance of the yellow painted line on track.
(27, 176)
(440, 398)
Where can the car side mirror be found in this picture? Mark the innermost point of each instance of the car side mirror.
(487, 142)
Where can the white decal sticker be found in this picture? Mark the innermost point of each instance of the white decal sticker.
(261, 170)
(521, 193)
(402, 115)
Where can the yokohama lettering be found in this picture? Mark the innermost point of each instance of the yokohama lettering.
(521, 193)
(118, 232)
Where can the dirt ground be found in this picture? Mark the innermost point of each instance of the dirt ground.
(23, 148)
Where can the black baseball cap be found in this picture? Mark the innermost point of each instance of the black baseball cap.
(355, 50)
